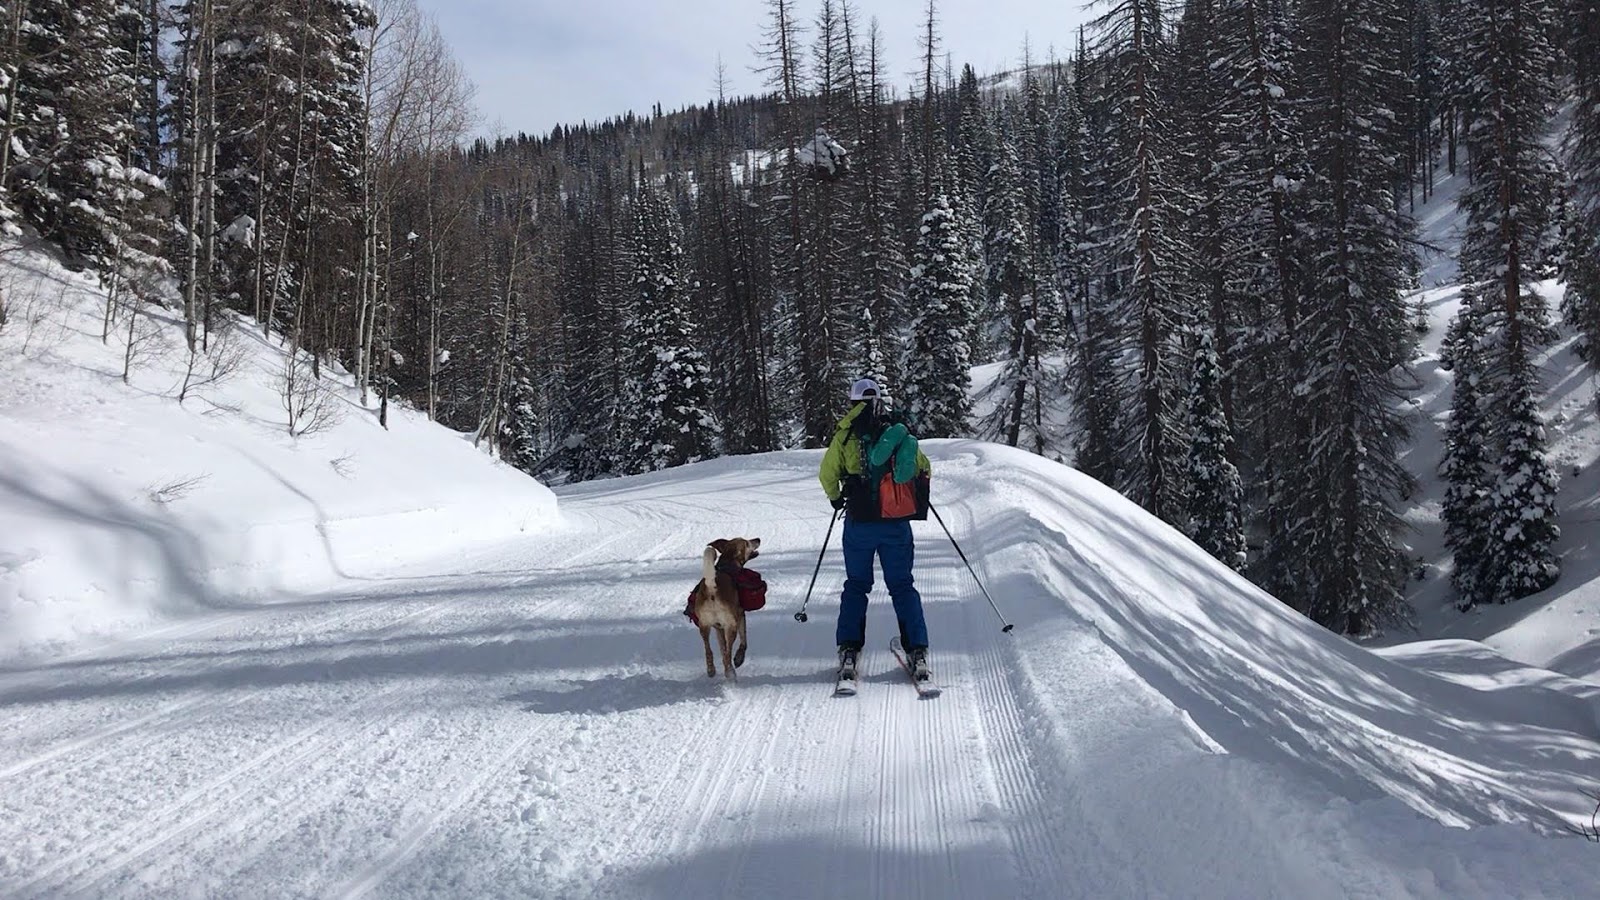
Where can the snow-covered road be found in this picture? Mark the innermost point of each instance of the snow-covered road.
(532, 719)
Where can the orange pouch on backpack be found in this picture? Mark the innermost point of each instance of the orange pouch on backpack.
(896, 501)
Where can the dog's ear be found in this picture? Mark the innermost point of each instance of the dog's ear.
(720, 545)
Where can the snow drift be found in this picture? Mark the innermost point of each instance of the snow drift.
(119, 507)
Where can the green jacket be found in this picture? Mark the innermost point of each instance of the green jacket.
(844, 455)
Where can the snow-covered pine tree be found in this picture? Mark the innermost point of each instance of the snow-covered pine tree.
(880, 300)
(591, 379)
(937, 365)
(1215, 498)
(518, 439)
(1468, 479)
(807, 410)
(1261, 165)
(1424, 67)
(732, 287)
(1098, 381)
(820, 321)
(974, 138)
(1041, 186)
(1151, 292)
(287, 172)
(1507, 202)
(1581, 147)
(1523, 517)
(1068, 255)
(76, 96)
(669, 422)
(1203, 95)
(1357, 334)
(1023, 388)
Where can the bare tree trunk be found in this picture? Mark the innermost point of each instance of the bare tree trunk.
(489, 422)
(8, 128)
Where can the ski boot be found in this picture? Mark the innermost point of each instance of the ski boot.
(847, 662)
(917, 658)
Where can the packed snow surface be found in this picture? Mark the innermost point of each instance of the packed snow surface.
(531, 718)
(369, 663)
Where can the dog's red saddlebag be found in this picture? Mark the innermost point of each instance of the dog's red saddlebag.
(752, 592)
(752, 589)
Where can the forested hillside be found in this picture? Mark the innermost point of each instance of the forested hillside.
(1181, 244)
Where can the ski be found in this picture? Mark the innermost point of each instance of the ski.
(925, 687)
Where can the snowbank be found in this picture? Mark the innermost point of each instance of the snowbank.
(120, 508)
(1452, 730)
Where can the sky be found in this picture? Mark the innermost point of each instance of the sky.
(540, 63)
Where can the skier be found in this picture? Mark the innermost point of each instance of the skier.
(875, 473)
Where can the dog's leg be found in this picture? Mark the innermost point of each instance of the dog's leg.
(743, 629)
(711, 665)
(725, 635)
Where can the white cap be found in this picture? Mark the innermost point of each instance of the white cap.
(865, 389)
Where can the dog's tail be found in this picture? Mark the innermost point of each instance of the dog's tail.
(708, 568)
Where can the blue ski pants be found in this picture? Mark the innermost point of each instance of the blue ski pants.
(892, 543)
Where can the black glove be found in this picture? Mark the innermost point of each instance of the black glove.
(838, 502)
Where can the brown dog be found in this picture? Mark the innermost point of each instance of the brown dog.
(716, 601)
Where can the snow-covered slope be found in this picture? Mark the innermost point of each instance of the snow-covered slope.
(121, 508)
(532, 719)
(1558, 628)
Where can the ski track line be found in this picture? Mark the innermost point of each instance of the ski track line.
(430, 770)
(673, 791)
(248, 813)
(191, 707)
(181, 818)
(941, 723)
(773, 730)
(406, 846)
(173, 666)
(679, 794)
(1037, 851)
(99, 735)
(887, 807)
(709, 795)
(269, 761)
(381, 734)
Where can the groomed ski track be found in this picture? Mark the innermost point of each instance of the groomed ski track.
(532, 719)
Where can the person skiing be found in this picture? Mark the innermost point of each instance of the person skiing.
(874, 471)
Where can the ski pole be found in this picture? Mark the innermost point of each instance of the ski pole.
(1008, 625)
(801, 615)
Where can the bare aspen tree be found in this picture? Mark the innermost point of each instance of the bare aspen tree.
(394, 50)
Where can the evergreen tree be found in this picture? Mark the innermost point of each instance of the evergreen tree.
(1357, 335)
(1098, 379)
(1581, 305)
(1469, 483)
(1523, 516)
(879, 300)
(1506, 203)
(1024, 388)
(937, 365)
(1262, 168)
(1215, 501)
(1151, 294)
(77, 95)
(670, 422)
(519, 420)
